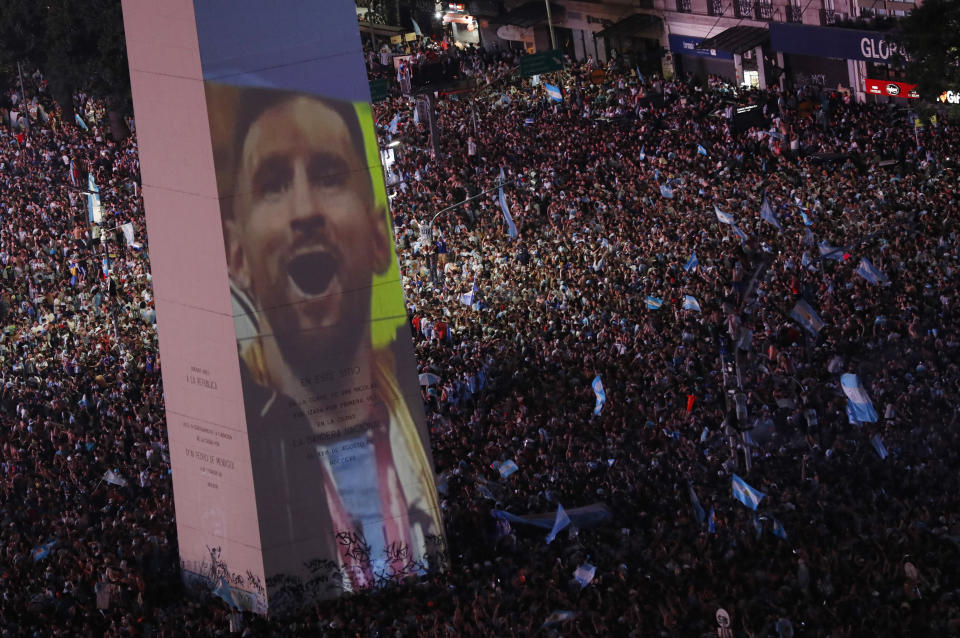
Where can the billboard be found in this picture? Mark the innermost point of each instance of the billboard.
(889, 88)
(833, 42)
(300, 457)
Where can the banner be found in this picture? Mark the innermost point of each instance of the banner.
(300, 458)
(889, 88)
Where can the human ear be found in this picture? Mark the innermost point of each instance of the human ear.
(236, 256)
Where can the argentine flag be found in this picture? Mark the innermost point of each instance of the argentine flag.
(830, 252)
(806, 220)
(778, 530)
(690, 303)
(654, 303)
(746, 494)
(859, 405)
(724, 218)
(553, 92)
(666, 192)
(767, 214)
(712, 521)
(701, 150)
(507, 468)
(643, 153)
(601, 394)
(692, 263)
(42, 551)
(561, 521)
(807, 317)
(870, 272)
(225, 592)
(511, 227)
(879, 446)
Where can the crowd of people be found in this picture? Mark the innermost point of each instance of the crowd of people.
(640, 257)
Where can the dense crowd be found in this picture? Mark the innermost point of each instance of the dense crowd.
(613, 190)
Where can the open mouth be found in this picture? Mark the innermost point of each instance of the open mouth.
(312, 272)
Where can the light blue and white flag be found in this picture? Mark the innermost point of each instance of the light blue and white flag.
(114, 478)
(416, 28)
(559, 616)
(697, 507)
(600, 393)
(806, 220)
(739, 233)
(879, 447)
(42, 551)
(724, 218)
(654, 303)
(507, 468)
(692, 263)
(870, 272)
(416, 117)
(701, 150)
(553, 92)
(768, 215)
(690, 303)
(394, 123)
(640, 76)
(807, 317)
(80, 122)
(746, 494)
(859, 404)
(511, 227)
(712, 521)
(643, 153)
(778, 530)
(561, 521)
(584, 574)
(225, 592)
(94, 207)
(808, 238)
(469, 298)
(666, 192)
(831, 252)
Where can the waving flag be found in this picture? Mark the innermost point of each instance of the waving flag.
(561, 521)
(830, 252)
(692, 263)
(739, 233)
(584, 574)
(806, 220)
(74, 174)
(468, 298)
(859, 405)
(416, 28)
(768, 215)
(553, 92)
(42, 551)
(511, 227)
(80, 122)
(654, 303)
(600, 393)
(712, 522)
(701, 150)
(697, 508)
(878, 445)
(746, 494)
(643, 153)
(724, 218)
(778, 530)
(114, 479)
(507, 468)
(690, 303)
(666, 192)
(870, 272)
(807, 317)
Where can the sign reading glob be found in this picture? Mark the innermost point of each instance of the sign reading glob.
(889, 88)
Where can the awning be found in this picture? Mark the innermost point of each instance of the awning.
(737, 39)
(630, 26)
(380, 29)
(531, 13)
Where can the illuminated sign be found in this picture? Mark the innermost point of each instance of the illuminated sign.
(889, 88)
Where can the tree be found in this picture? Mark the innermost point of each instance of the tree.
(75, 45)
(930, 35)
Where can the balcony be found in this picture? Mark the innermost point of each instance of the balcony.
(764, 10)
(794, 14)
(715, 7)
(828, 17)
(683, 6)
(743, 8)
